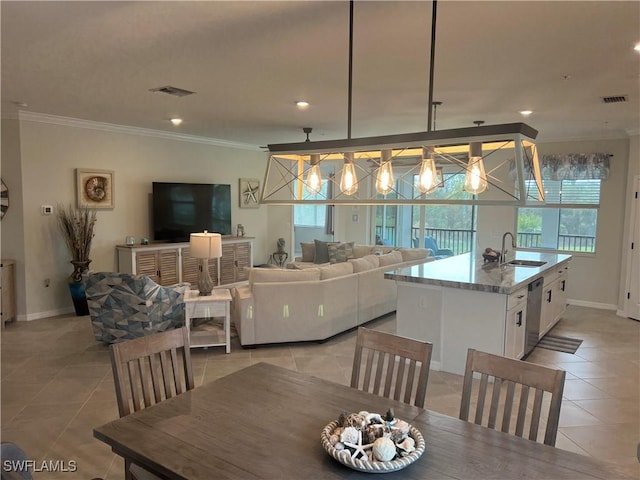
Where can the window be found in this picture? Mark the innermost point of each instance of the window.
(311, 215)
(558, 227)
(452, 226)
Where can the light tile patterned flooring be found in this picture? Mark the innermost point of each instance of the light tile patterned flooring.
(56, 386)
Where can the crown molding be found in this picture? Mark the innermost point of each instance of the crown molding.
(146, 132)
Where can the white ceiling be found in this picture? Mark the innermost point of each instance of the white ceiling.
(250, 61)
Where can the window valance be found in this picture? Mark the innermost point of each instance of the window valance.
(570, 166)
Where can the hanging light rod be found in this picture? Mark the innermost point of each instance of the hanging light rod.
(441, 137)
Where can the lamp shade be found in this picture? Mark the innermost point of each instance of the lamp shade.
(205, 245)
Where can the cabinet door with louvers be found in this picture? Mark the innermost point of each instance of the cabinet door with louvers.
(236, 258)
(161, 266)
(191, 272)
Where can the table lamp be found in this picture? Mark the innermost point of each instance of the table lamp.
(205, 246)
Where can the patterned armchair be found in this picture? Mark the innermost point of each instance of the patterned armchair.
(124, 306)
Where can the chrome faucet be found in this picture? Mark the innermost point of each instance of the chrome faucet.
(503, 251)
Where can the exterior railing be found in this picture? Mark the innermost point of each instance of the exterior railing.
(461, 241)
(571, 243)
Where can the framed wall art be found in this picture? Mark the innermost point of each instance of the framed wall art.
(95, 188)
(249, 193)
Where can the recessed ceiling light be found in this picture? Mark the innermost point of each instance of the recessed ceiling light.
(302, 104)
(176, 121)
(637, 47)
(526, 113)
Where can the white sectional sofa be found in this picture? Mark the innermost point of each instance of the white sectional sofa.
(316, 302)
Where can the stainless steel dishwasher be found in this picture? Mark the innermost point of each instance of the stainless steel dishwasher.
(534, 308)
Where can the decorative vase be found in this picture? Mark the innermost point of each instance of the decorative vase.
(76, 287)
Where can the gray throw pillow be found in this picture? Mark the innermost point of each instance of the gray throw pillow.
(322, 251)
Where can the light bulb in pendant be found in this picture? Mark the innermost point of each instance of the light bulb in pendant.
(427, 179)
(348, 180)
(384, 178)
(475, 180)
(314, 177)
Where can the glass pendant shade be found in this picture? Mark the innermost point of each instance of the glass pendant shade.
(427, 179)
(314, 176)
(384, 178)
(475, 180)
(348, 180)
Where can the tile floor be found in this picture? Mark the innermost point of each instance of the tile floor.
(56, 385)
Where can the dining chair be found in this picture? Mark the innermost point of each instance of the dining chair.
(389, 365)
(518, 378)
(148, 370)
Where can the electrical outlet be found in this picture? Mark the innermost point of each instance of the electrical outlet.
(47, 282)
(47, 209)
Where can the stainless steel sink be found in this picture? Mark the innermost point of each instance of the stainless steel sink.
(526, 263)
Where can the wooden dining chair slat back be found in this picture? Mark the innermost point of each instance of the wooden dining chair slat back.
(391, 366)
(150, 369)
(510, 373)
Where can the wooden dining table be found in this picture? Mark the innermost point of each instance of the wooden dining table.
(265, 422)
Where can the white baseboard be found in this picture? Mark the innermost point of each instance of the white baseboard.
(47, 314)
(435, 366)
(601, 306)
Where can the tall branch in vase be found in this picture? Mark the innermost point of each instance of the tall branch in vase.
(76, 226)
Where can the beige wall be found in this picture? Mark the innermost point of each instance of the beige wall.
(51, 152)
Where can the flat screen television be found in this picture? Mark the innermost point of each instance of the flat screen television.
(180, 209)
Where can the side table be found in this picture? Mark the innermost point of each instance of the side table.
(218, 304)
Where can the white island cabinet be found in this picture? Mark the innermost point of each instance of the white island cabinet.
(460, 303)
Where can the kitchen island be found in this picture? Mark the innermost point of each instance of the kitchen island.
(462, 302)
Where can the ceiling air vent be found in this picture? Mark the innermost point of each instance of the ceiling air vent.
(614, 99)
(175, 91)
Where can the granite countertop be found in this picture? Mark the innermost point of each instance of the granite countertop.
(468, 271)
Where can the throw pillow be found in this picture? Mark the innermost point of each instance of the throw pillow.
(308, 251)
(360, 251)
(373, 260)
(340, 252)
(322, 251)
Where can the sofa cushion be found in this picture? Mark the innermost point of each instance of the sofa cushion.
(410, 254)
(390, 258)
(374, 260)
(360, 251)
(322, 251)
(335, 270)
(308, 251)
(270, 275)
(360, 265)
(340, 252)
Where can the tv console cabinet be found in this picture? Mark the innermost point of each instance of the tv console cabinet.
(170, 263)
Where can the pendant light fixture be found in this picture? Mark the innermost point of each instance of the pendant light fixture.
(475, 178)
(348, 179)
(314, 176)
(384, 178)
(293, 168)
(427, 179)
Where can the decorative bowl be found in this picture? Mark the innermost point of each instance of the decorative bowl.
(344, 456)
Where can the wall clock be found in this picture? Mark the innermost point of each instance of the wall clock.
(4, 199)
